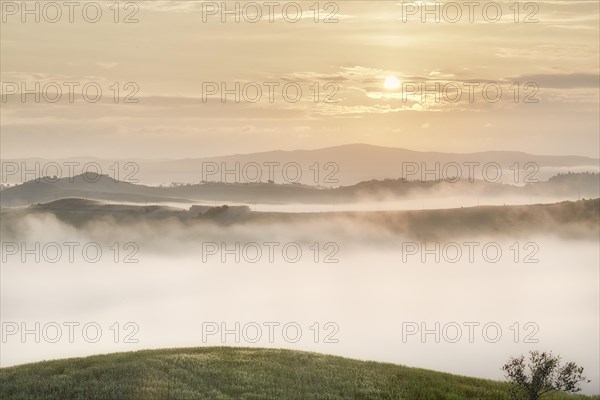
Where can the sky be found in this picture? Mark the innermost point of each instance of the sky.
(519, 77)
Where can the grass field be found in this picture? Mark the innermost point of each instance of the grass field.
(238, 373)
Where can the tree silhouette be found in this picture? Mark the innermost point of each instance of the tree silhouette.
(543, 374)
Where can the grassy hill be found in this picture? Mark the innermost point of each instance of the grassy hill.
(105, 188)
(237, 373)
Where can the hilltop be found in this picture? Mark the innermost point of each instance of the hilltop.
(225, 373)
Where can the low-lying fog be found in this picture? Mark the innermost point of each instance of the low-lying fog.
(409, 203)
(370, 304)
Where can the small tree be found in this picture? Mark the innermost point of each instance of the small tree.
(543, 374)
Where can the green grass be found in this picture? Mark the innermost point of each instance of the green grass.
(237, 373)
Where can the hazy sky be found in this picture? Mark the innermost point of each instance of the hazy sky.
(177, 48)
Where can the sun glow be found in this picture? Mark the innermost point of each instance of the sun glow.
(391, 83)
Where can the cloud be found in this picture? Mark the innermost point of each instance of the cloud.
(107, 65)
(563, 81)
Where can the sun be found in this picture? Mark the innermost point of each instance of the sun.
(391, 83)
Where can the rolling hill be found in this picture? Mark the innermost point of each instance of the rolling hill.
(566, 219)
(239, 373)
(102, 187)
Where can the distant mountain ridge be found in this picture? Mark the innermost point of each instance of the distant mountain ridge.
(330, 166)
